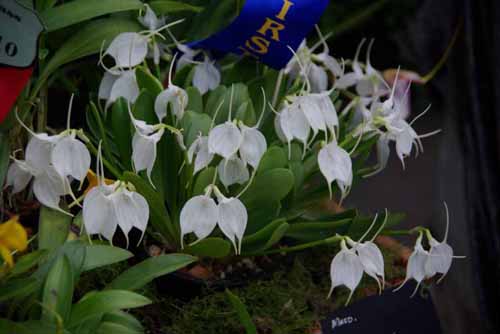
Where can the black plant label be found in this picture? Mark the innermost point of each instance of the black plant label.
(389, 313)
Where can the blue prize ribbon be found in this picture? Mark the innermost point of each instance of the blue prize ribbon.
(265, 29)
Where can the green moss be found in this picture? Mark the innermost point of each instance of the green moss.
(291, 301)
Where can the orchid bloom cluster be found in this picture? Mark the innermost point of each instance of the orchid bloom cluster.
(307, 115)
(425, 264)
(201, 214)
(52, 162)
(109, 206)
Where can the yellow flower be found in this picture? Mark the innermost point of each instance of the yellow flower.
(93, 181)
(12, 237)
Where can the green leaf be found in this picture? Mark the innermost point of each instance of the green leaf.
(74, 250)
(85, 42)
(143, 273)
(266, 237)
(145, 80)
(270, 186)
(53, 228)
(274, 157)
(203, 179)
(78, 11)
(120, 127)
(102, 255)
(4, 156)
(28, 261)
(158, 213)
(123, 318)
(168, 7)
(111, 327)
(263, 215)
(194, 124)
(58, 291)
(195, 100)
(18, 288)
(312, 231)
(210, 247)
(243, 315)
(98, 303)
(29, 327)
(144, 107)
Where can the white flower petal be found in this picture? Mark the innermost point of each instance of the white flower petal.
(98, 212)
(107, 82)
(224, 140)
(346, 269)
(335, 164)
(294, 124)
(125, 86)
(439, 260)
(144, 151)
(312, 112)
(129, 49)
(70, 157)
(199, 215)
(318, 78)
(279, 130)
(347, 80)
(39, 150)
(253, 146)
(131, 210)
(206, 76)
(18, 176)
(371, 258)
(48, 188)
(176, 97)
(232, 171)
(233, 219)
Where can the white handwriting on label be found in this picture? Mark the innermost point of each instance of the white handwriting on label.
(339, 322)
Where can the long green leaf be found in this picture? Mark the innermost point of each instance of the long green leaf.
(243, 315)
(18, 288)
(85, 42)
(210, 247)
(102, 255)
(99, 303)
(53, 228)
(169, 7)
(82, 10)
(143, 273)
(111, 327)
(28, 261)
(58, 291)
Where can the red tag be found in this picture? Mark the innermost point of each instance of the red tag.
(12, 82)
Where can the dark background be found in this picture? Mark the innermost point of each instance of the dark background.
(460, 165)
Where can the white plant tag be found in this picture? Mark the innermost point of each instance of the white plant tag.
(19, 31)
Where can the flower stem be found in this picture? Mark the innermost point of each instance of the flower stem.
(108, 165)
(327, 241)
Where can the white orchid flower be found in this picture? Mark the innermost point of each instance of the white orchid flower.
(440, 253)
(309, 106)
(314, 68)
(293, 124)
(199, 148)
(346, 269)
(151, 21)
(116, 85)
(225, 140)
(206, 76)
(253, 145)
(335, 164)
(173, 96)
(232, 219)
(368, 82)
(416, 268)
(70, 157)
(199, 216)
(369, 254)
(106, 207)
(233, 171)
(128, 49)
